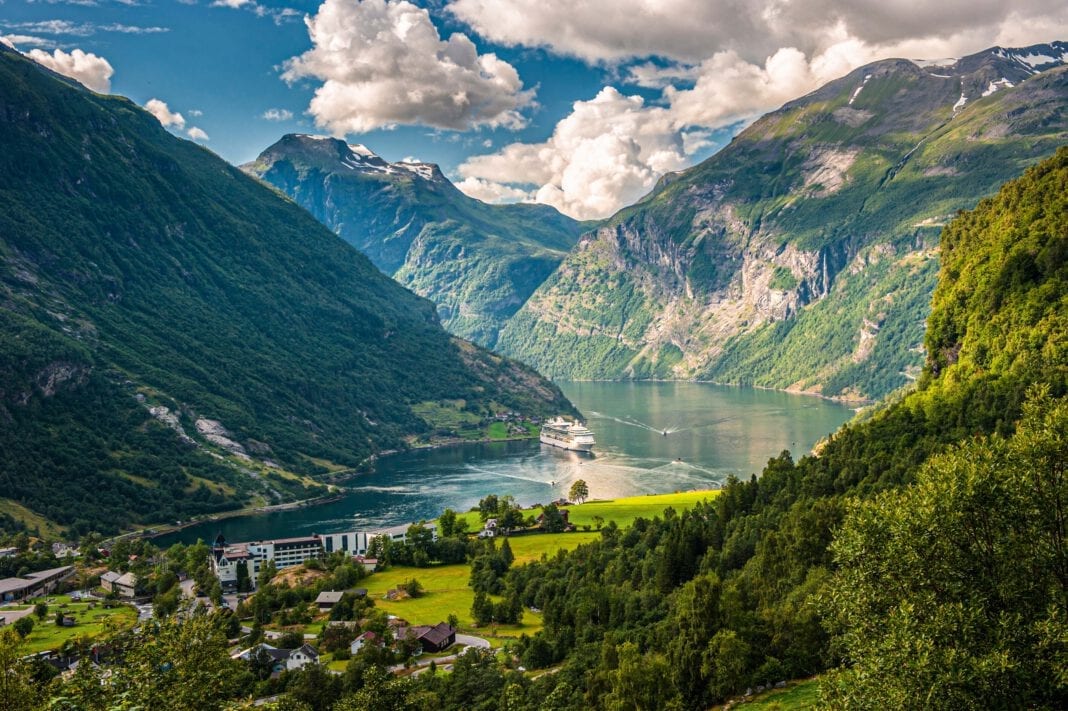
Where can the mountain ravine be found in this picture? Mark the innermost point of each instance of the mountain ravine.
(176, 338)
(802, 256)
(479, 263)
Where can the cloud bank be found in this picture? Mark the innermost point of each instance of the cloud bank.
(721, 63)
(169, 119)
(383, 63)
(89, 69)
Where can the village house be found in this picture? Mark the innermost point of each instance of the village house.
(301, 657)
(369, 564)
(489, 528)
(327, 599)
(431, 639)
(122, 584)
(364, 640)
(564, 514)
(282, 659)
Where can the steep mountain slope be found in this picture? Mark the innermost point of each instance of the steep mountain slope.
(176, 337)
(479, 263)
(803, 255)
(694, 608)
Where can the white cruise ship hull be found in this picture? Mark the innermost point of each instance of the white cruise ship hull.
(564, 444)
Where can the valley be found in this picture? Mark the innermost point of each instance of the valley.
(283, 433)
(715, 432)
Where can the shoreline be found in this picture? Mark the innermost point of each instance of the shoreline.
(346, 475)
(856, 401)
(339, 478)
(166, 529)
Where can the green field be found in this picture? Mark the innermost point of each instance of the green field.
(446, 586)
(446, 592)
(796, 696)
(88, 623)
(532, 547)
(622, 511)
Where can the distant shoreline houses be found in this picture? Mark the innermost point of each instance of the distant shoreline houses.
(284, 553)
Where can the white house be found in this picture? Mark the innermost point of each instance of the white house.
(282, 659)
(369, 564)
(301, 657)
(367, 638)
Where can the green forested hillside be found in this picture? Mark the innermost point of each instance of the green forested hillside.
(803, 255)
(477, 262)
(748, 590)
(177, 338)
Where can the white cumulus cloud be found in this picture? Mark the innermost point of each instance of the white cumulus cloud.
(277, 114)
(197, 134)
(161, 111)
(383, 63)
(692, 30)
(13, 41)
(608, 152)
(717, 63)
(492, 192)
(92, 71)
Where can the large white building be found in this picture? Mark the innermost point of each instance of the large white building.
(287, 552)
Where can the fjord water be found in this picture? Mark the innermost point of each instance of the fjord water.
(712, 431)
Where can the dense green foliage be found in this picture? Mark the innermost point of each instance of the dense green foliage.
(802, 255)
(729, 594)
(139, 270)
(479, 263)
(953, 593)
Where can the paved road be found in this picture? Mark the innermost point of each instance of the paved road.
(10, 616)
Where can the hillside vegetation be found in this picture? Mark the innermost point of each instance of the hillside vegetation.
(176, 338)
(803, 255)
(947, 593)
(477, 262)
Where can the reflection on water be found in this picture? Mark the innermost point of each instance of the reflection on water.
(651, 438)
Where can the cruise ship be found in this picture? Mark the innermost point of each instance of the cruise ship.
(567, 435)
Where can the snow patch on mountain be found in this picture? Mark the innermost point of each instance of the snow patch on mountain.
(999, 84)
(859, 88)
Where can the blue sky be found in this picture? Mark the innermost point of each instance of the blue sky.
(226, 63)
(579, 104)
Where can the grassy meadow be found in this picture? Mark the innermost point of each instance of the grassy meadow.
(89, 623)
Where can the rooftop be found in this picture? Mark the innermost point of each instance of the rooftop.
(329, 596)
(438, 633)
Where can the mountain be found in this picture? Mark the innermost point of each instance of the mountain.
(922, 549)
(479, 263)
(176, 337)
(802, 256)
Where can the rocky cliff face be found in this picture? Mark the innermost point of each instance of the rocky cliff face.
(802, 256)
(479, 263)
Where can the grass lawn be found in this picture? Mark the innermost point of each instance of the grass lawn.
(622, 511)
(800, 695)
(88, 623)
(337, 665)
(446, 592)
(446, 586)
(531, 547)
